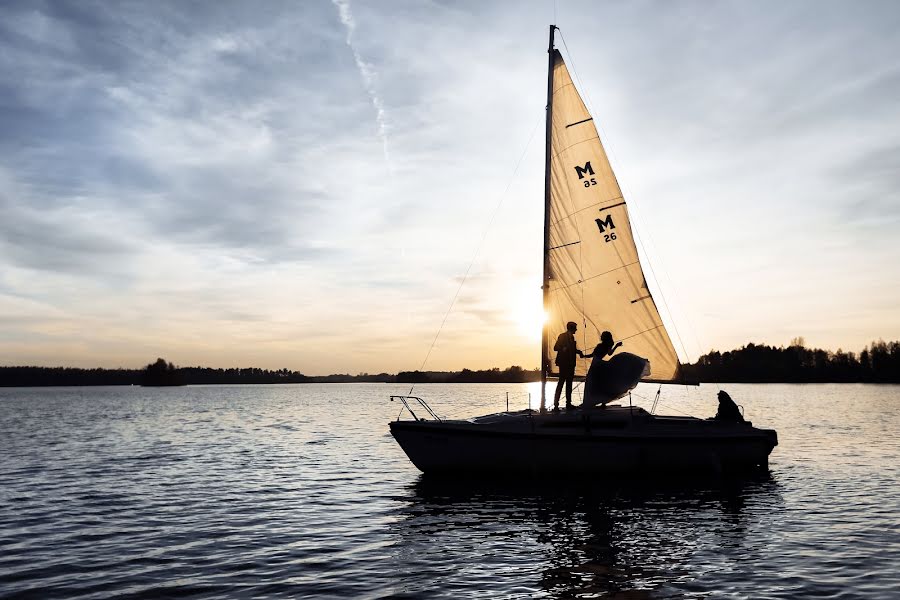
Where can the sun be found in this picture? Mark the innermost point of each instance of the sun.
(529, 317)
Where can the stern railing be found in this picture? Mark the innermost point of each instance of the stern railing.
(406, 401)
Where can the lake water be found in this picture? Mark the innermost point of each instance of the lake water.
(299, 491)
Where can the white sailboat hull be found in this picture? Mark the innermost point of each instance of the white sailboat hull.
(619, 440)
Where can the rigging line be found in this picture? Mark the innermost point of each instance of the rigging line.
(641, 333)
(659, 287)
(691, 326)
(633, 205)
(670, 407)
(656, 402)
(480, 244)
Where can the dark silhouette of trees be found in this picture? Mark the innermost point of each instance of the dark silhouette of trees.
(251, 375)
(359, 378)
(514, 374)
(414, 377)
(66, 376)
(877, 363)
(161, 373)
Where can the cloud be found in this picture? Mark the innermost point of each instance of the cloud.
(63, 238)
(205, 178)
(368, 75)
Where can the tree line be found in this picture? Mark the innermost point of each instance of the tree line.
(879, 362)
(164, 373)
(514, 374)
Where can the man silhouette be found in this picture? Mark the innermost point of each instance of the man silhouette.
(566, 350)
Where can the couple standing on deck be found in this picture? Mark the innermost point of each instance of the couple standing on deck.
(566, 351)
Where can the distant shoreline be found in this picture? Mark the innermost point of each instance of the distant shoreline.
(123, 385)
(167, 375)
(877, 363)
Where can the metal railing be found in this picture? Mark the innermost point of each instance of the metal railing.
(405, 400)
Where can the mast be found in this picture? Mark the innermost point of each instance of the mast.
(545, 287)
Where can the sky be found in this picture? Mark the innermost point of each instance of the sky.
(304, 185)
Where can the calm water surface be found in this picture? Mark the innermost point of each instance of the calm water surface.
(299, 491)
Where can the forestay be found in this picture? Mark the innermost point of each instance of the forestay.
(595, 275)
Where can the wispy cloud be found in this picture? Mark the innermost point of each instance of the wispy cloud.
(369, 76)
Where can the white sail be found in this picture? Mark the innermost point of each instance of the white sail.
(595, 275)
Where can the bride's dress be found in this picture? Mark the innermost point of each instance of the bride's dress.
(610, 379)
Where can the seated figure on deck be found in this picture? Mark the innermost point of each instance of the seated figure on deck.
(728, 410)
(610, 379)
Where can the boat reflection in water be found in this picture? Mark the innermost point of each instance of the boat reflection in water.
(631, 540)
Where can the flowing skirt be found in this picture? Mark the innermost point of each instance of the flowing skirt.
(610, 379)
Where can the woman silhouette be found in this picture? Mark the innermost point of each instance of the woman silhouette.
(596, 374)
(608, 380)
(604, 348)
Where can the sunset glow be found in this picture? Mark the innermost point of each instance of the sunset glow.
(296, 188)
(529, 318)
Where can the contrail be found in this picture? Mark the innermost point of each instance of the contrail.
(368, 76)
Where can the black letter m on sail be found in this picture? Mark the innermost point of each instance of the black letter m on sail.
(604, 223)
(585, 169)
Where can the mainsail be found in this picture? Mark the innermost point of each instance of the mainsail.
(595, 277)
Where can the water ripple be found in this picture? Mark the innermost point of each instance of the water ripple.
(297, 491)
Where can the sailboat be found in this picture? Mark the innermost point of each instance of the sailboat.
(591, 273)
